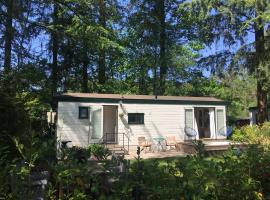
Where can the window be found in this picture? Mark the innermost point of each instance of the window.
(220, 119)
(135, 118)
(189, 118)
(83, 113)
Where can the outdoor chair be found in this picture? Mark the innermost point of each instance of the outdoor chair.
(225, 131)
(190, 133)
(171, 141)
(144, 144)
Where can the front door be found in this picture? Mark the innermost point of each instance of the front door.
(110, 123)
(96, 116)
(203, 122)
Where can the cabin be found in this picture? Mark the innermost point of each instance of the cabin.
(86, 118)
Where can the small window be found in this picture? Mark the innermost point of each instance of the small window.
(135, 118)
(83, 113)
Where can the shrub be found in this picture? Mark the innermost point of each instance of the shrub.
(99, 151)
(253, 134)
(78, 154)
(199, 148)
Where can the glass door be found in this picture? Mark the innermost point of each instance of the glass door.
(96, 119)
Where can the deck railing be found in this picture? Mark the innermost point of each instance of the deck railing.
(117, 139)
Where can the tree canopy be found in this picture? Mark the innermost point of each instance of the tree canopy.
(160, 47)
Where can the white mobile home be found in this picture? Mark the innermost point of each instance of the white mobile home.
(85, 118)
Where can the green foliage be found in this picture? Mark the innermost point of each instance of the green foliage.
(199, 148)
(99, 151)
(254, 134)
(14, 121)
(231, 24)
(234, 175)
(237, 90)
(33, 105)
(78, 154)
(5, 165)
(131, 41)
(238, 174)
(19, 170)
(79, 180)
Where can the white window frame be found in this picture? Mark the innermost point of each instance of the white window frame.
(224, 119)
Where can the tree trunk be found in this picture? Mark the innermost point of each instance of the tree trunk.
(142, 80)
(260, 74)
(155, 93)
(67, 64)
(54, 35)
(162, 53)
(155, 82)
(85, 73)
(8, 36)
(101, 57)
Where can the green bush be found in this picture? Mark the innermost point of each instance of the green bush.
(78, 154)
(253, 134)
(75, 180)
(241, 174)
(99, 151)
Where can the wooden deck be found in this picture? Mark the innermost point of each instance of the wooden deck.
(163, 154)
(212, 147)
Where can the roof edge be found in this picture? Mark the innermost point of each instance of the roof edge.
(115, 98)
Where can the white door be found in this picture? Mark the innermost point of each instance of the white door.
(110, 123)
(212, 122)
(96, 128)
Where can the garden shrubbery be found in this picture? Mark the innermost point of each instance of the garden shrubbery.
(253, 134)
(99, 151)
(237, 174)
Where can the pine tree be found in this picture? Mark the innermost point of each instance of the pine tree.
(234, 23)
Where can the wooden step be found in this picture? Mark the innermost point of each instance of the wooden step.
(112, 145)
(117, 149)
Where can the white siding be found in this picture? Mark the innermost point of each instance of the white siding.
(159, 120)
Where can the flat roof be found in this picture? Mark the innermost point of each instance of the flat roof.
(134, 98)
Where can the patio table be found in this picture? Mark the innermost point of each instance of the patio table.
(158, 143)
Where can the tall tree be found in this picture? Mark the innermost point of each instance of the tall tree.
(85, 64)
(90, 25)
(8, 35)
(262, 88)
(143, 43)
(156, 43)
(17, 34)
(234, 23)
(101, 55)
(162, 45)
(55, 48)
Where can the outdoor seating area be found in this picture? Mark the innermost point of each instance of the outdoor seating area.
(169, 143)
(157, 144)
(169, 146)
